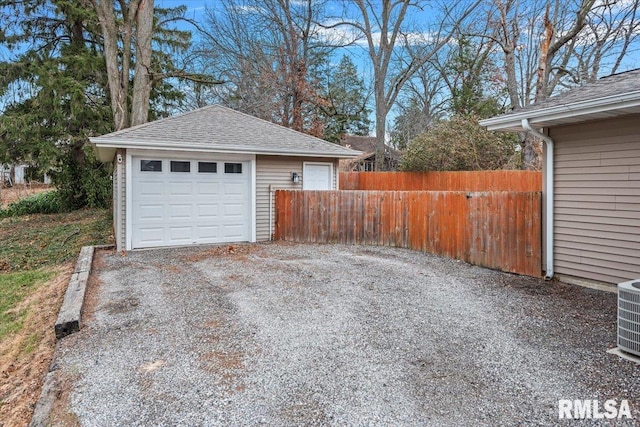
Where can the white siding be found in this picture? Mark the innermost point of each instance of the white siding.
(275, 172)
(119, 200)
(597, 200)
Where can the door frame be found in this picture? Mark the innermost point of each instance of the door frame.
(186, 155)
(332, 185)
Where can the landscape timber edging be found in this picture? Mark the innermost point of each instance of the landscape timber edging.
(68, 322)
(69, 317)
(71, 310)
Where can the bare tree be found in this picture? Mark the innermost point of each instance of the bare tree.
(269, 52)
(533, 68)
(423, 101)
(397, 48)
(553, 41)
(610, 37)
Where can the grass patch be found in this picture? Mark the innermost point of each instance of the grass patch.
(41, 203)
(36, 259)
(31, 242)
(14, 288)
(31, 343)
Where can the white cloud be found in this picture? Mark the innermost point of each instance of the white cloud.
(348, 35)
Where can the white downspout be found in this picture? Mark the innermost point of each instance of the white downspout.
(549, 191)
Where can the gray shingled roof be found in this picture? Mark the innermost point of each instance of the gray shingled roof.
(607, 97)
(221, 129)
(616, 84)
(367, 144)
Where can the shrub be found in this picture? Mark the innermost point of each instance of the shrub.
(44, 203)
(82, 180)
(458, 144)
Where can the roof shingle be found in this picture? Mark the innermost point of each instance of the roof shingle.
(219, 128)
(612, 96)
(615, 84)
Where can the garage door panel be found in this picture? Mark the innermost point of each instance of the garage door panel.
(208, 232)
(207, 211)
(180, 212)
(181, 208)
(233, 231)
(150, 235)
(149, 188)
(234, 189)
(180, 234)
(233, 210)
(180, 189)
(151, 212)
(208, 188)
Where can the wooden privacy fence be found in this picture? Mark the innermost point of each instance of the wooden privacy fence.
(499, 230)
(501, 180)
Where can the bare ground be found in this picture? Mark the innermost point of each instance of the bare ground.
(22, 371)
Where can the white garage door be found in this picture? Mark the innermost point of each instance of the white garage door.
(182, 202)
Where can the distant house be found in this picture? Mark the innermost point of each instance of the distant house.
(591, 169)
(367, 160)
(12, 174)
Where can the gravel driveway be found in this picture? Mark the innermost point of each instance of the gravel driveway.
(283, 334)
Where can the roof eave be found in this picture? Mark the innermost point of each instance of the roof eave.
(513, 122)
(109, 146)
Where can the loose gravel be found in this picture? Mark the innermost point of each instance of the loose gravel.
(287, 335)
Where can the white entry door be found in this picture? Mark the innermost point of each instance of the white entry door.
(179, 201)
(317, 176)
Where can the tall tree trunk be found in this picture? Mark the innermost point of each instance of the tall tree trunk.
(117, 53)
(544, 61)
(142, 77)
(551, 44)
(118, 87)
(298, 75)
(381, 124)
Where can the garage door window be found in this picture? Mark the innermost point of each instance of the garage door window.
(151, 165)
(207, 167)
(180, 166)
(233, 168)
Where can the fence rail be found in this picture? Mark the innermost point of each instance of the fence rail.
(502, 180)
(499, 230)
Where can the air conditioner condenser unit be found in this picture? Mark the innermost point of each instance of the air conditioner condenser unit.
(629, 316)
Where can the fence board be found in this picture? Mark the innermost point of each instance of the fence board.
(499, 230)
(502, 180)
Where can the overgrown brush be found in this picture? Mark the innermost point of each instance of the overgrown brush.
(42, 203)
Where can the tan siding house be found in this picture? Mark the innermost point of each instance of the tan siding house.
(592, 178)
(597, 199)
(209, 176)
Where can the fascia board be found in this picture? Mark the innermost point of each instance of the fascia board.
(583, 108)
(114, 143)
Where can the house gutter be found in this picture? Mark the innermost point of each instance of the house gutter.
(620, 102)
(549, 191)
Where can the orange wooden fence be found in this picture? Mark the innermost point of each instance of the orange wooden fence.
(499, 230)
(501, 180)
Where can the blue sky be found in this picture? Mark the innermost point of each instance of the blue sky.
(195, 8)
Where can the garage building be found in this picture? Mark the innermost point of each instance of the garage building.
(208, 176)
